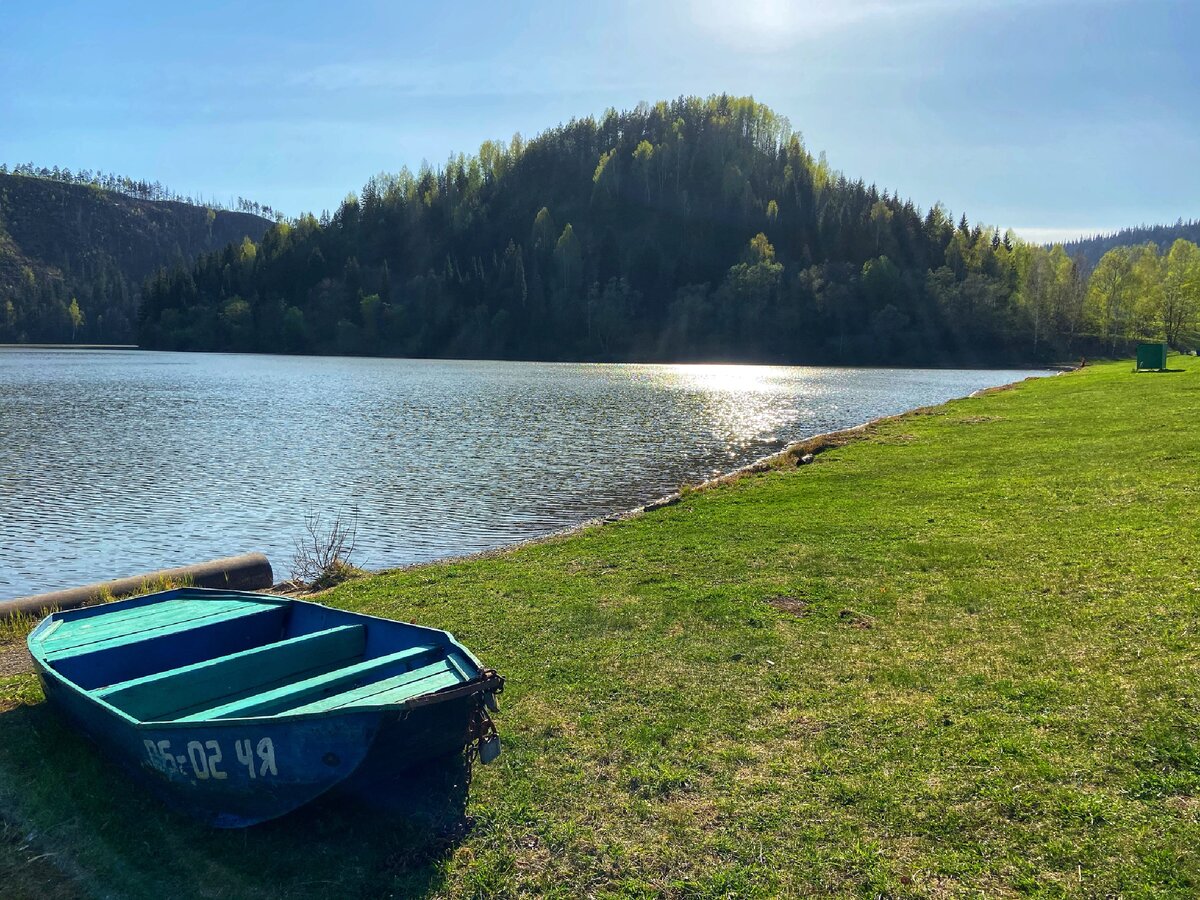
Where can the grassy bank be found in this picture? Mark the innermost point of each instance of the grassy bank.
(957, 659)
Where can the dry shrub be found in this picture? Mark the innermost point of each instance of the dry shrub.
(324, 553)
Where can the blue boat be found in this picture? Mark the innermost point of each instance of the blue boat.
(238, 707)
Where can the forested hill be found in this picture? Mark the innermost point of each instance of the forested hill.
(1162, 236)
(73, 256)
(690, 230)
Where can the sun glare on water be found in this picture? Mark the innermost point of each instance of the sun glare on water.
(727, 378)
(742, 403)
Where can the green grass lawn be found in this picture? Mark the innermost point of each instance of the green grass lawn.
(957, 659)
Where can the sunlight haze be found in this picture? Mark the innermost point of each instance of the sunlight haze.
(1049, 117)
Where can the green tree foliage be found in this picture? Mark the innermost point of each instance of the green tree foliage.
(695, 229)
(1111, 292)
(1179, 298)
(75, 316)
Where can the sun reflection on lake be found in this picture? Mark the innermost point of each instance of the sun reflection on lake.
(740, 403)
(729, 378)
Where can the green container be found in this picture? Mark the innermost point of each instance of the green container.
(1151, 356)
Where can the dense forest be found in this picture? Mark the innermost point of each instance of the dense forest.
(73, 255)
(1162, 236)
(695, 229)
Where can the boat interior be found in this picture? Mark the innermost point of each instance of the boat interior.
(199, 655)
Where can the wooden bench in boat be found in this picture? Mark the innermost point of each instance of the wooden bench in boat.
(309, 673)
(137, 624)
(96, 648)
(320, 687)
(179, 691)
(425, 680)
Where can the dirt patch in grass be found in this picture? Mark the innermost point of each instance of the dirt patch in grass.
(15, 660)
(1188, 807)
(855, 619)
(902, 438)
(793, 605)
(998, 389)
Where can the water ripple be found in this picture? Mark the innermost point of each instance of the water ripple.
(114, 463)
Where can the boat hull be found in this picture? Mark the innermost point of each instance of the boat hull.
(236, 773)
(238, 708)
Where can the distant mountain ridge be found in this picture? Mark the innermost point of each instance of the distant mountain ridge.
(73, 256)
(1162, 236)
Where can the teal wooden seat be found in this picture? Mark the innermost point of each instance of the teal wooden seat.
(96, 633)
(177, 692)
(425, 680)
(293, 693)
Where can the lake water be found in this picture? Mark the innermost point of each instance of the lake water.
(114, 463)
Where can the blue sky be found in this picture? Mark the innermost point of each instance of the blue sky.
(1053, 117)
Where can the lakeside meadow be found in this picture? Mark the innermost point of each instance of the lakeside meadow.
(955, 658)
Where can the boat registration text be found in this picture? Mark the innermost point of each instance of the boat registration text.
(207, 759)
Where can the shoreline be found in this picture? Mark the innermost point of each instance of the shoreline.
(964, 367)
(69, 347)
(792, 454)
(797, 453)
